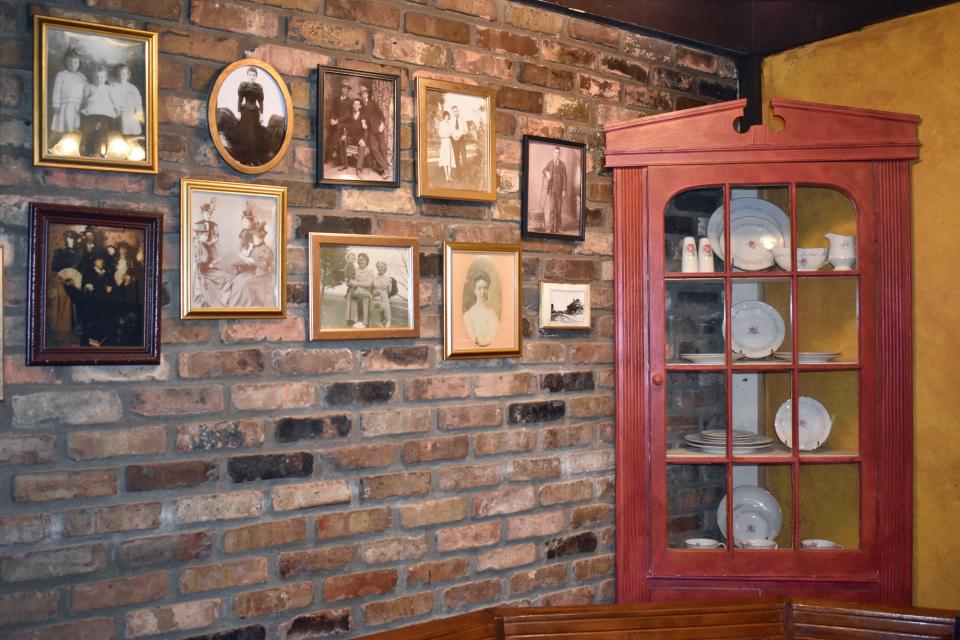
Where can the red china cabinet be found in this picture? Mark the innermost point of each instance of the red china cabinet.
(764, 391)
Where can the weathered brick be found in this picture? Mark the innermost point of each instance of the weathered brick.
(592, 406)
(433, 449)
(265, 534)
(327, 35)
(468, 536)
(24, 529)
(532, 19)
(573, 435)
(89, 629)
(673, 79)
(506, 42)
(468, 477)
(648, 98)
(537, 411)
(294, 429)
(58, 407)
(350, 523)
(213, 577)
(223, 506)
(174, 401)
(577, 596)
(118, 592)
(504, 384)
(312, 361)
(270, 467)
(178, 547)
(209, 364)
(373, 13)
(431, 26)
(528, 469)
(84, 483)
(470, 416)
(590, 568)
(392, 358)
(483, 64)
(122, 517)
(394, 484)
(435, 388)
(219, 14)
(471, 593)
(170, 475)
(507, 557)
(535, 525)
(53, 563)
(571, 545)
(494, 442)
(411, 50)
(287, 330)
(357, 585)
(387, 611)
(365, 392)
(648, 47)
(136, 441)
(397, 421)
(503, 501)
(486, 9)
(223, 434)
(560, 492)
(363, 456)
(595, 33)
(27, 606)
(296, 563)
(320, 623)
(171, 618)
(567, 108)
(267, 396)
(540, 578)
(267, 601)
(433, 512)
(624, 67)
(314, 494)
(28, 450)
(393, 549)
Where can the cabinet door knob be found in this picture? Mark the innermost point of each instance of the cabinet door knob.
(657, 379)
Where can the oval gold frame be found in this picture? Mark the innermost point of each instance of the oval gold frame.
(212, 116)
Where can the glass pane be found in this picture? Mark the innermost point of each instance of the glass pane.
(830, 506)
(695, 402)
(760, 224)
(828, 320)
(685, 224)
(762, 507)
(756, 397)
(693, 495)
(761, 319)
(694, 320)
(829, 413)
(826, 219)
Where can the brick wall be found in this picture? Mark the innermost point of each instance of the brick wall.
(280, 488)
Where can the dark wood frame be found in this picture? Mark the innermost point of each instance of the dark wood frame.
(525, 195)
(862, 152)
(323, 73)
(316, 240)
(41, 216)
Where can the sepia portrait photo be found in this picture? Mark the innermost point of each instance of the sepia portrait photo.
(232, 250)
(94, 282)
(554, 189)
(95, 103)
(481, 303)
(250, 115)
(358, 128)
(363, 287)
(455, 141)
(565, 305)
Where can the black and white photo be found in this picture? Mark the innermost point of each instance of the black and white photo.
(94, 283)
(554, 189)
(96, 103)
(251, 116)
(363, 287)
(456, 159)
(358, 128)
(565, 305)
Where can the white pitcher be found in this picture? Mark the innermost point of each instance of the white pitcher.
(843, 251)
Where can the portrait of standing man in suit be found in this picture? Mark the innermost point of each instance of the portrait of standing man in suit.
(555, 181)
(554, 194)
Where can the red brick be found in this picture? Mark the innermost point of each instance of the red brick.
(438, 571)
(387, 611)
(363, 456)
(393, 549)
(210, 364)
(268, 396)
(89, 629)
(536, 525)
(326, 35)
(540, 578)
(267, 601)
(532, 19)
(502, 501)
(504, 384)
(212, 577)
(24, 529)
(397, 421)
(177, 110)
(170, 475)
(177, 332)
(171, 548)
(28, 450)
(435, 388)
(223, 506)
(394, 484)
(306, 496)
(492, 443)
(296, 563)
(507, 557)
(574, 435)
(434, 449)
(433, 512)
(222, 434)
(468, 536)
(166, 9)
(430, 26)
(468, 477)
(567, 54)
(560, 492)
(27, 606)
(507, 42)
(595, 33)
(544, 353)
(290, 329)
(373, 13)
(175, 401)
(171, 618)
(86, 483)
(393, 358)
(648, 47)
(314, 361)
(136, 441)
(316, 624)
(219, 14)
(118, 592)
(471, 593)
(53, 563)
(577, 596)
(357, 585)
(486, 9)
(591, 407)
(589, 461)
(410, 50)
(351, 523)
(122, 517)
(470, 416)
(265, 534)
(528, 469)
(590, 568)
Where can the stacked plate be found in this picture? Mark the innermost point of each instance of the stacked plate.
(714, 441)
(808, 357)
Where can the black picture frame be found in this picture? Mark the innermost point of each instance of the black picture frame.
(132, 335)
(328, 149)
(534, 194)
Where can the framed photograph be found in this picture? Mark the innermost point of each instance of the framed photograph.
(364, 287)
(358, 128)
(456, 156)
(94, 96)
(232, 250)
(565, 305)
(250, 115)
(481, 300)
(554, 189)
(94, 286)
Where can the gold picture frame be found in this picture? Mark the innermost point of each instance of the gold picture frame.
(456, 141)
(253, 137)
(95, 98)
(565, 305)
(374, 295)
(220, 279)
(482, 303)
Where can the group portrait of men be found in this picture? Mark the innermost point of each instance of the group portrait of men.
(355, 126)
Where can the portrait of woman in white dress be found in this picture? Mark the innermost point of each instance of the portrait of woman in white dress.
(445, 130)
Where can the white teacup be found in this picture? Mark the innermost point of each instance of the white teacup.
(758, 543)
(817, 543)
(703, 543)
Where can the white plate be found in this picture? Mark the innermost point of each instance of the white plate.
(707, 358)
(721, 451)
(747, 208)
(756, 514)
(752, 243)
(815, 423)
(758, 329)
(808, 357)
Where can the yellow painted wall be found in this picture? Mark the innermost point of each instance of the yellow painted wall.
(911, 65)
